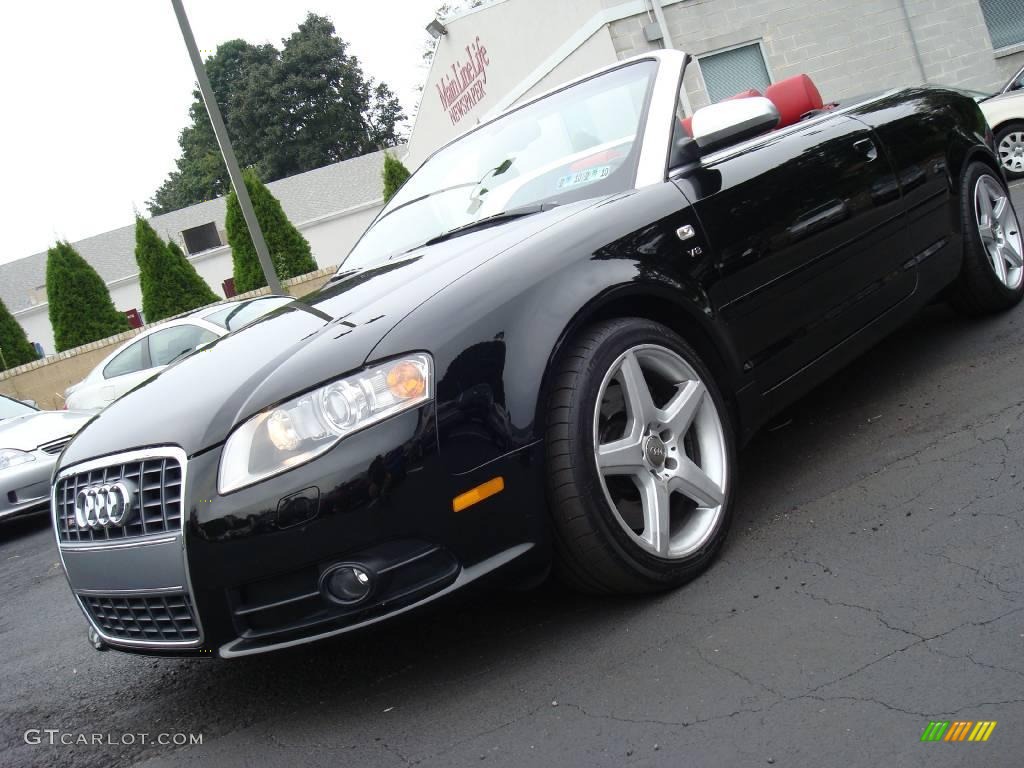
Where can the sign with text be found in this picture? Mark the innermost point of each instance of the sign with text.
(463, 88)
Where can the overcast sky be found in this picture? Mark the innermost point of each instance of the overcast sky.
(95, 93)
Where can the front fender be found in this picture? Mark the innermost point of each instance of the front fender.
(495, 331)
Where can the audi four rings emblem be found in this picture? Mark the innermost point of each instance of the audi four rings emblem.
(103, 506)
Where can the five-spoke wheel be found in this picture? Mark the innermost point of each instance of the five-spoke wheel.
(656, 429)
(992, 268)
(999, 230)
(640, 459)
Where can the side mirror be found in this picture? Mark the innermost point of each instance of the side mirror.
(730, 122)
(31, 403)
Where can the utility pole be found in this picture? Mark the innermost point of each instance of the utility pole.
(666, 36)
(226, 151)
(913, 41)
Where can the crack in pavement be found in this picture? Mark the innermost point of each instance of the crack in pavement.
(873, 611)
(976, 571)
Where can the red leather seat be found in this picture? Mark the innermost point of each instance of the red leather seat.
(794, 97)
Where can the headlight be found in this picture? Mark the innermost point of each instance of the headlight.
(12, 457)
(301, 429)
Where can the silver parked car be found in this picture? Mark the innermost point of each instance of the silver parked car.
(30, 442)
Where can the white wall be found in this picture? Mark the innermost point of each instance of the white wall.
(330, 238)
(36, 322)
(595, 53)
(518, 35)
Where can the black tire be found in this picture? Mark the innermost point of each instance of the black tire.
(594, 552)
(978, 290)
(1001, 134)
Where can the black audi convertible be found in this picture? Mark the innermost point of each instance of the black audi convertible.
(542, 354)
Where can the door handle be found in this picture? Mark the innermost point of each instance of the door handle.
(867, 148)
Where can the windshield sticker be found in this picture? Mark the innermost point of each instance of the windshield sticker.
(585, 176)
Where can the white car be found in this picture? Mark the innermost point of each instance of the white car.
(147, 354)
(30, 441)
(1005, 113)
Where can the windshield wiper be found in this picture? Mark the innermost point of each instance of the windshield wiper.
(489, 221)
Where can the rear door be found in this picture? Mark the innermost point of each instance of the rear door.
(916, 128)
(807, 227)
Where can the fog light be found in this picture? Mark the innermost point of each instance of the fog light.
(347, 584)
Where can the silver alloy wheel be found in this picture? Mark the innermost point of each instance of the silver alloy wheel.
(657, 431)
(999, 230)
(1011, 151)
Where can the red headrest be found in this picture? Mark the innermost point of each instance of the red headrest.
(793, 97)
(744, 94)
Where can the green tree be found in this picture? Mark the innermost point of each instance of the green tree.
(286, 111)
(289, 250)
(170, 284)
(244, 81)
(81, 309)
(384, 118)
(394, 174)
(15, 349)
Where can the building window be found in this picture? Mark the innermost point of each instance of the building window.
(729, 72)
(201, 238)
(1005, 21)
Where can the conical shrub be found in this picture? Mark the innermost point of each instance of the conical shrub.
(81, 310)
(289, 250)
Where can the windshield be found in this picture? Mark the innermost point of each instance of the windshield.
(577, 143)
(10, 408)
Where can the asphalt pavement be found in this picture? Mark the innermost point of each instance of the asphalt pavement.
(873, 582)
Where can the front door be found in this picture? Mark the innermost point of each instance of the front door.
(807, 228)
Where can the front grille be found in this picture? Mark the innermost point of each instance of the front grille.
(147, 618)
(56, 446)
(157, 509)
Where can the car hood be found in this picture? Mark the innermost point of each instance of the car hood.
(195, 403)
(1003, 102)
(28, 432)
(1009, 96)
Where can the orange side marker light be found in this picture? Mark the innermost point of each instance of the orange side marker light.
(478, 494)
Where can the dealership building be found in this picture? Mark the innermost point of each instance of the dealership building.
(498, 55)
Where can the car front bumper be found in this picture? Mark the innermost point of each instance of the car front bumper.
(250, 565)
(25, 488)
